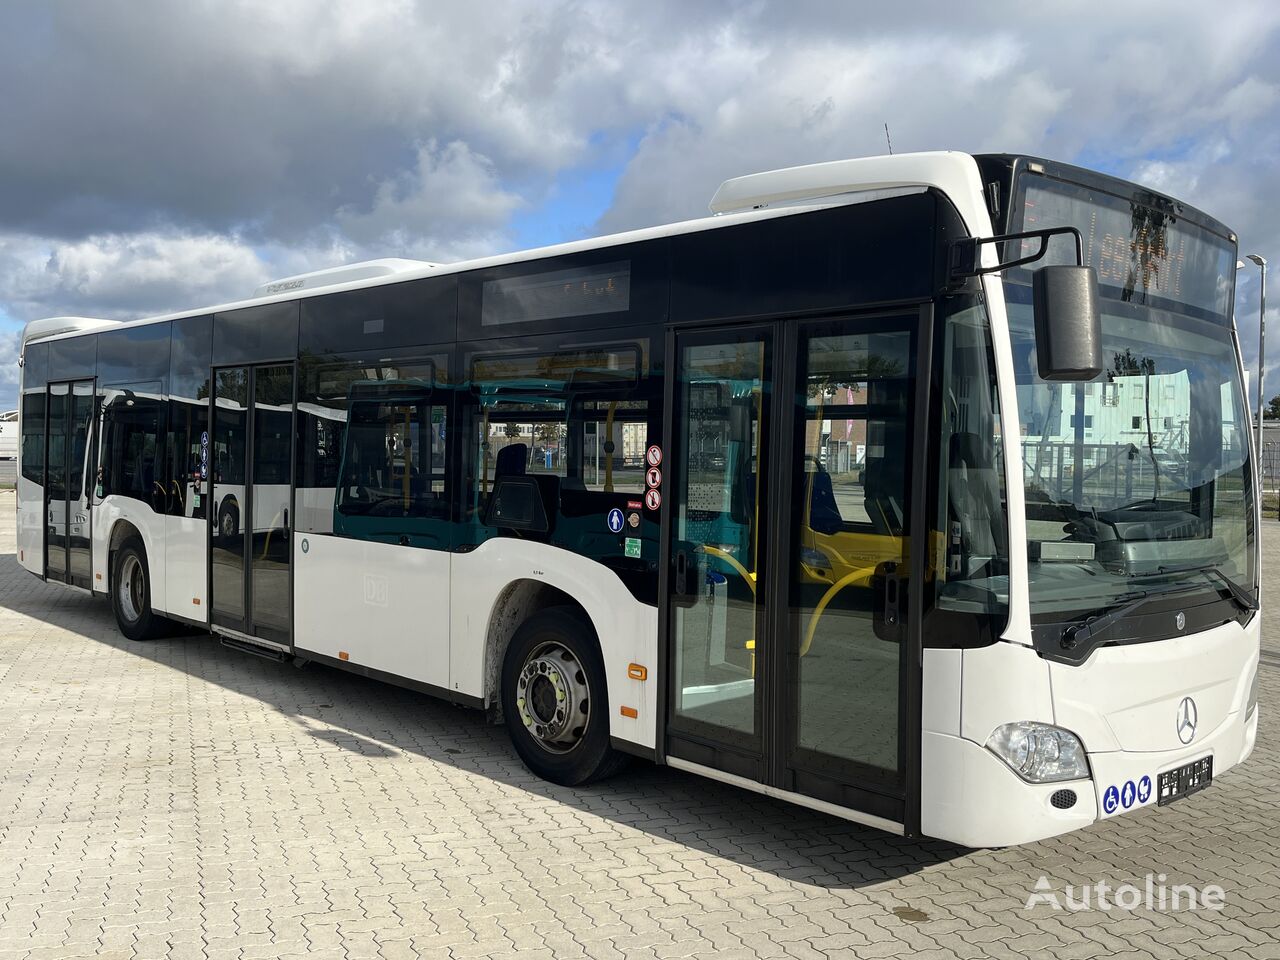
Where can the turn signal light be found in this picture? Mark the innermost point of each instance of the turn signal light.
(631, 712)
(343, 655)
(637, 672)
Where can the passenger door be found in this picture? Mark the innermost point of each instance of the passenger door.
(250, 498)
(69, 483)
(792, 647)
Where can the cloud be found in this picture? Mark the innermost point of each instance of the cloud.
(124, 276)
(448, 206)
(8, 369)
(179, 154)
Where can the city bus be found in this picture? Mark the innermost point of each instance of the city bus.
(913, 489)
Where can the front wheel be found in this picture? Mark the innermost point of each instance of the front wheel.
(554, 699)
(131, 593)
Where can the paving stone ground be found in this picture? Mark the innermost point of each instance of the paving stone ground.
(180, 799)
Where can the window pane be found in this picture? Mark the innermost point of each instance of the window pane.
(853, 527)
(972, 568)
(33, 406)
(329, 389)
(130, 462)
(578, 420)
(189, 449)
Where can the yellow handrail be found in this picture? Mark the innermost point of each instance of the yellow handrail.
(832, 590)
(747, 575)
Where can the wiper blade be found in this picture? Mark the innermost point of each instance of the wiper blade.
(1074, 636)
(1242, 596)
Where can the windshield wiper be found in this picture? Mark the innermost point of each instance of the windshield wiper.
(1072, 637)
(1242, 596)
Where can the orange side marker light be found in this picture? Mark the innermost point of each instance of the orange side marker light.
(631, 712)
(637, 672)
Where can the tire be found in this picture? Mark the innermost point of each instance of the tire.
(555, 652)
(131, 593)
(228, 518)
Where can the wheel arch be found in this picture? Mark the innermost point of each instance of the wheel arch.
(121, 530)
(514, 605)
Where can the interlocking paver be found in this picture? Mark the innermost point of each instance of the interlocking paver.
(179, 799)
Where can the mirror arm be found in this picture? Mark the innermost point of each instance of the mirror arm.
(964, 252)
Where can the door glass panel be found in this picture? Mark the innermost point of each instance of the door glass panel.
(227, 494)
(850, 519)
(272, 456)
(717, 547)
(80, 481)
(56, 485)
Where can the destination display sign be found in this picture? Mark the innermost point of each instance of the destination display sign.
(1143, 253)
(578, 292)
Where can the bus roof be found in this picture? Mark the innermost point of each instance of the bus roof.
(759, 196)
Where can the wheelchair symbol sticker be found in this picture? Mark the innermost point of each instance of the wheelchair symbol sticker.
(1111, 799)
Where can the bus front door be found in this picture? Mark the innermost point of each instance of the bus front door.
(69, 483)
(791, 646)
(250, 497)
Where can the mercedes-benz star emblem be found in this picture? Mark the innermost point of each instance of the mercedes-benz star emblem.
(1181, 620)
(1187, 719)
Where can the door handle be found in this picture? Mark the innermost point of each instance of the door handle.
(682, 573)
(890, 602)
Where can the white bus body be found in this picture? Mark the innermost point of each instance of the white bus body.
(448, 498)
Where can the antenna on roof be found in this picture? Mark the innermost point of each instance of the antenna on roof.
(887, 140)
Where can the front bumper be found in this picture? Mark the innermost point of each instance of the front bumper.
(973, 798)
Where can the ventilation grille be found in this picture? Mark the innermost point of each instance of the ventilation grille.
(1063, 799)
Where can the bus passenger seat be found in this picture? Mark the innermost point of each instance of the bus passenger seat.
(511, 461)
(824, 513)
(974, 491)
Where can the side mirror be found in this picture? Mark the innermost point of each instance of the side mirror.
(1068, 322)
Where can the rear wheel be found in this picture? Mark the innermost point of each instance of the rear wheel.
(554, 699)
(131, 593)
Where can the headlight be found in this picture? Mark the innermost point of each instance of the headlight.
(1252, 704)
(1038, 752)
(814, 558)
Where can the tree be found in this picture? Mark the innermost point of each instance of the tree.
(1273, 408)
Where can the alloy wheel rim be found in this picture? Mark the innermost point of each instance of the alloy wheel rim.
(131, 588)
(553, 697)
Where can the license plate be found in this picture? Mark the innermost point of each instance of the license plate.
(1185, 780)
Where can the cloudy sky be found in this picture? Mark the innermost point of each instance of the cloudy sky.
(158, 156)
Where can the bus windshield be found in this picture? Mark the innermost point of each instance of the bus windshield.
(1138, 482)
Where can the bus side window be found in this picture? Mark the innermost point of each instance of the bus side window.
(130, 460)
(394, 459)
